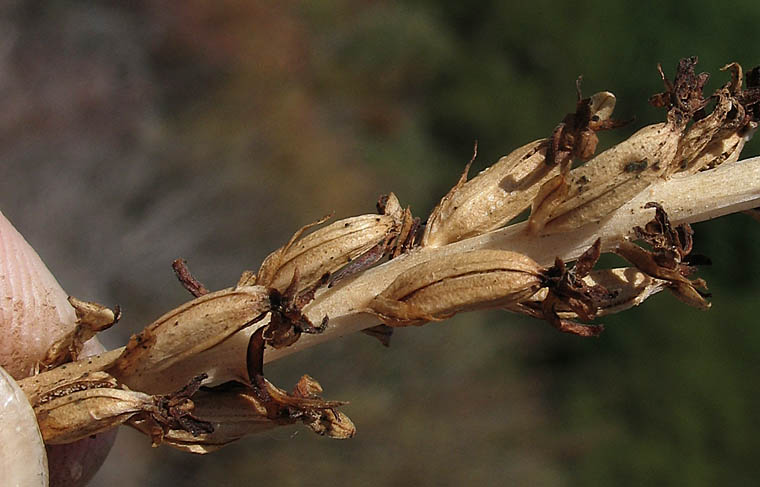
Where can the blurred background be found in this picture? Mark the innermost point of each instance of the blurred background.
(132, 133)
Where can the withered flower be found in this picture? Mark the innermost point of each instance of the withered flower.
(568, 290)
(669, 259)
(575, 137)
(720, 137)
(287, 321)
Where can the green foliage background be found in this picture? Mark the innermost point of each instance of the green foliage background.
(221, 127)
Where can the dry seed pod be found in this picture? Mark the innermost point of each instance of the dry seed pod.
(235, 412)
(37, 385)
(594, 190)
(720, 137)
(591, 192)
(80, 414)
(491, 198)
(498, 194)
(159, 359)
(328, 249)
(67, 385)
(439, 288)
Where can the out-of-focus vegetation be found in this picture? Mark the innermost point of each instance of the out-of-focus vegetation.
(135, 132)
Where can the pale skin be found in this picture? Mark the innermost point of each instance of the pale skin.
(34, 313)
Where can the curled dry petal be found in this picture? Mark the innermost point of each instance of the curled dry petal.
(627, 287)
(721, 136)
(567, 288)
(287, 320)
(682, 287)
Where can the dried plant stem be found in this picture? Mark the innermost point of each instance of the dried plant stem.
(706, 195)
(729, 188)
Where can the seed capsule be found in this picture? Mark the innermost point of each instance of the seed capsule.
(498, 194)
(234, 412)
(441, 287)
(330, 248)
(159, 359)
(594, 190)
(591, 192)
(491, 198)
(720, 137)
(80, 414)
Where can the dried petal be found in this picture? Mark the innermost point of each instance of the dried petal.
(288, 321)
(720, 137)
(627, 287)
(669, 258)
